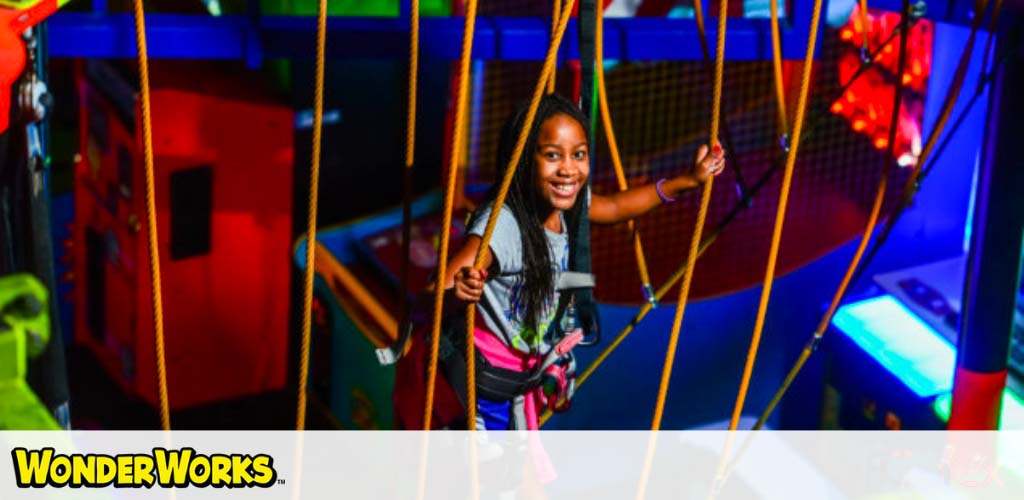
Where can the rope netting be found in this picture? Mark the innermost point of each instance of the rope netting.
(659, 110)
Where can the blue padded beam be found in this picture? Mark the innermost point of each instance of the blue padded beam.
(239, 37)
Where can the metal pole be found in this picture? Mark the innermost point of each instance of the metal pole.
(993, 266)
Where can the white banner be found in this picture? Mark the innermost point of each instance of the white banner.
(558, 465)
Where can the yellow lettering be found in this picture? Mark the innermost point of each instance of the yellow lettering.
(32, 466)
(240, 465)
(124, 470)
(167, 468)
(84, 468)
(144, 470)
(172, 468)
(106, 469)
(199, 470)
(221, 470)
(60, 470)
(263, 468)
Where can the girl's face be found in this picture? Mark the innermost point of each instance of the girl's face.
(562, 160)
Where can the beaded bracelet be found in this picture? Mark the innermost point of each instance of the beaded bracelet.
(661, 194)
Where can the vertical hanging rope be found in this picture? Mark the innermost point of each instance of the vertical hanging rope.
(517, 152)
(556, 14)
(698, 16)
(951, 98)
(864, 28)
(726, 136)
(780, 90)
(314, 189)
(613, 149)
(449, 199)
(926, 163)
(410, 158)
(993, 25)
(780, 215)
(883, 183)
(414, 58)
(708, 241)
(705, 201)
(911, 186)
(151, 227)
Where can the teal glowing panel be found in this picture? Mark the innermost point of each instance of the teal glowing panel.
(1011, 418)
(901, 342)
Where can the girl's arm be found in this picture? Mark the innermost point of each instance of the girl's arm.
(462, 283)
(631, 203)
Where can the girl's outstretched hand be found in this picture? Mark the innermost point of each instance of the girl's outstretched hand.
(708, 164)
(469, 284)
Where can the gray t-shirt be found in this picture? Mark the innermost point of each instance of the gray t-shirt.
(501, 306)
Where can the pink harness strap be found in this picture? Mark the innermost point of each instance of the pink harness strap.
(500, 355)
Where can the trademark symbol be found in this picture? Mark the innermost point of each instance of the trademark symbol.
(280, 481)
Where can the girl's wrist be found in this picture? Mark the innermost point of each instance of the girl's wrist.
(670, 189)
(665, 192)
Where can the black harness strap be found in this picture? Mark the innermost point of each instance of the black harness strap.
(579, 228)
(492, 382)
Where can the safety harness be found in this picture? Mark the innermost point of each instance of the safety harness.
(494, 383)
(556, 371)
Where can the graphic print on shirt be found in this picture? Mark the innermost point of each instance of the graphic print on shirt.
(528, 339)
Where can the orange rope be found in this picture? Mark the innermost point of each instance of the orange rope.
(410, 150)
(826, 319)
(410, 159)
(449, 199)
(314, 189)
(517, 152)
(613, 149)
(864, 27)
(705, 201)
(646, 308)
(947, 107)
(555, 16)
(151, 227)
(993, 24)
(911, 186)
(698, 16)
(876, 210)
(780, 91)
(780, 215)
(640, 315)
(414, 58)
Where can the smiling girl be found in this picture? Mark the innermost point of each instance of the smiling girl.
(516, 290)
